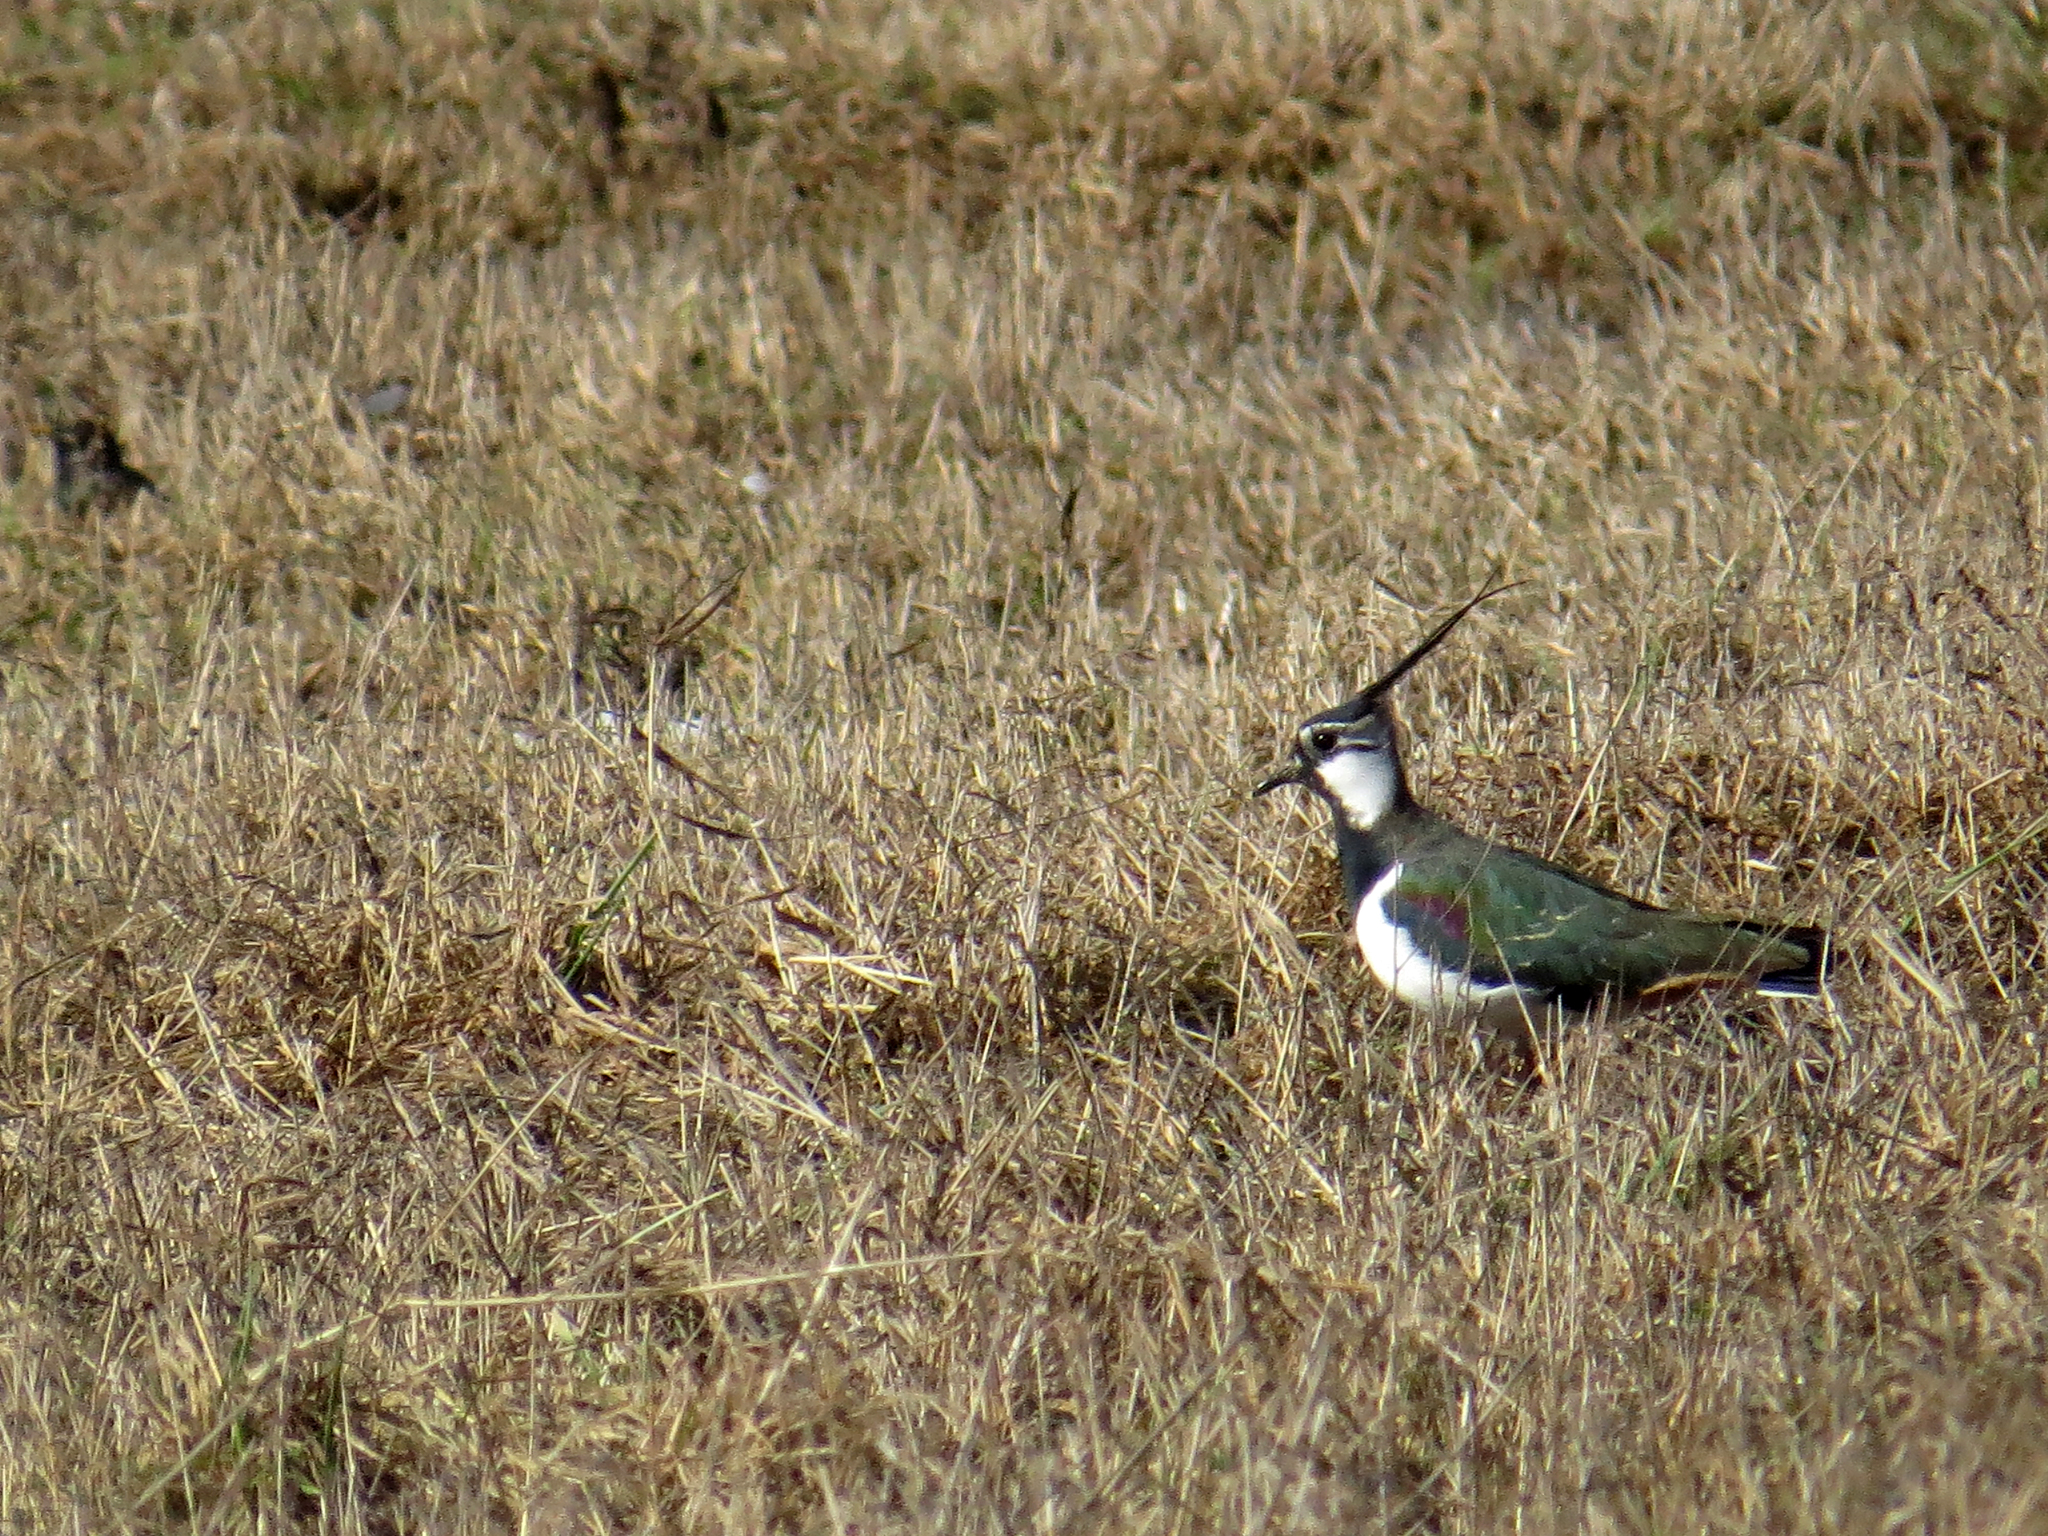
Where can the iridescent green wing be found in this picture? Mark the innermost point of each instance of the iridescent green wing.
(1501, 916)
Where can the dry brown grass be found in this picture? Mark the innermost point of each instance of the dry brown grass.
(966, 1119)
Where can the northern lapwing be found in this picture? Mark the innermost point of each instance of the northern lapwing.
(1455, 923)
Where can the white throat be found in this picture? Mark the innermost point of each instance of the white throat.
(1363, 783)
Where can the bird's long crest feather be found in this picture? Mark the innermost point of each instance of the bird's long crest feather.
(1435, 638)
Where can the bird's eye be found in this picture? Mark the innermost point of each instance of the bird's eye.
(1323, 739)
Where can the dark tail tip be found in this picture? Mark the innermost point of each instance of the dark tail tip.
(1804, 979)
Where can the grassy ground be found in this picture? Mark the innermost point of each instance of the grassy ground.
(670, 936)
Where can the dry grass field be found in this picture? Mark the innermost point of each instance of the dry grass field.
(668, 935)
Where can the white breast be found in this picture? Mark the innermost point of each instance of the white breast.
(1411, 975)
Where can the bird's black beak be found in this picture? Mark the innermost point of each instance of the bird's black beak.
(1293, 773)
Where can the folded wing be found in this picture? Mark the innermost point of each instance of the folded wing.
(1510, 917)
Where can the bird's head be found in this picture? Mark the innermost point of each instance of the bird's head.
(1349, 754)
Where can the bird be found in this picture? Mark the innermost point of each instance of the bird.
(90, 470)
(1453, 923)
